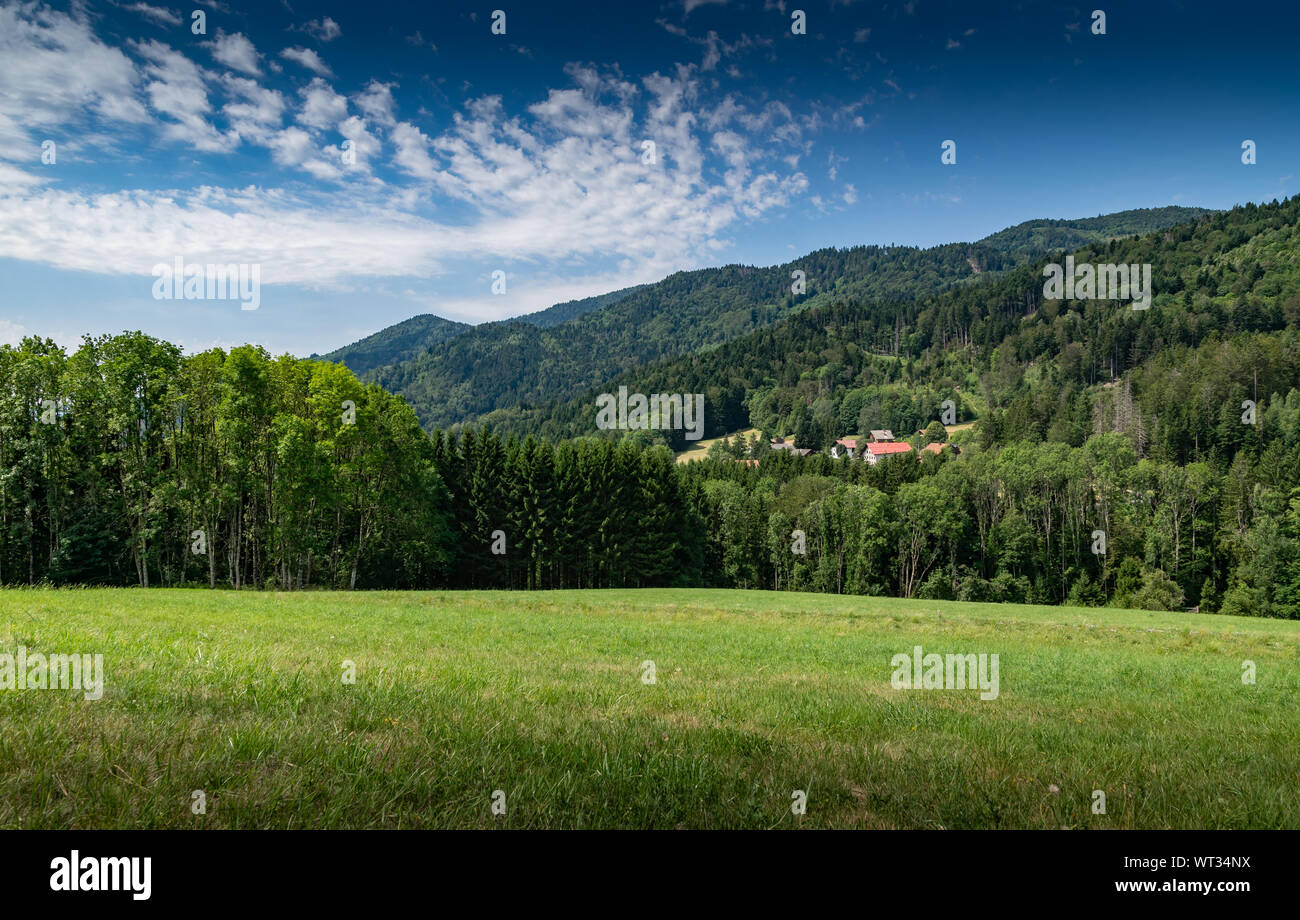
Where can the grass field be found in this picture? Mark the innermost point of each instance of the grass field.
(541, 696)
(700, 449)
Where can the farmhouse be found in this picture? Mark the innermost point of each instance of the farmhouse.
(845, 447)
(877, 449)
(881, 444)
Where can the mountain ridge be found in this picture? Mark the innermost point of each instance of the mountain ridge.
(1030, 364)
(481, 369)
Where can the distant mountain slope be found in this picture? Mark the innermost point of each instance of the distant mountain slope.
(572, 309)
(1035, 369)
(409, 338)
(1038, 236)
(510, 364)
(400, 342)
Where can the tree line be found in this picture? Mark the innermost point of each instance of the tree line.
(129, 463)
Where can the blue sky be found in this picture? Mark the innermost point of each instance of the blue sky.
(473, 152)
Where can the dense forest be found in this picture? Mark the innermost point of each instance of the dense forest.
(399, 342)
(129, 463)
(996, 348)
(414, 337)
(1032, 238)
(1134, 458)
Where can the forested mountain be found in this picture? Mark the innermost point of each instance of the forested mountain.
(410, 338)
(851, 365)
(1035, 237)
(572, 309)
(508, 364)
(398, 342)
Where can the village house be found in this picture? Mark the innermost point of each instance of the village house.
(877, 449)
(845, 447)
(881, 444)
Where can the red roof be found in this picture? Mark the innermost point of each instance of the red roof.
(850, 443)
(888, 447)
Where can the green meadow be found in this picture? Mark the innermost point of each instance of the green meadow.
(543, 696)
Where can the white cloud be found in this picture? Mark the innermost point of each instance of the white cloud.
(56, 74)
(419, 41)
(12, 178)
(158, 14)
(325, 30)
(178, 90)
(321, 107)
(259, 112)
(364, 144)
(128, 232)
(715, 49)
(298, 148)
(571, 181)
(12, 333)
(307, 58)
(376, 102)
(413, 151)
(561, 184)
(236, 52)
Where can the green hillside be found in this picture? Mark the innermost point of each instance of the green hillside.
(572, 309)
(1044, 367)
(399, 342)
(415, 336)
(1034, 237)
(503, 365)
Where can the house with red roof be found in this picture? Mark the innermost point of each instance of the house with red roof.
(877, 449)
